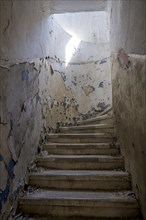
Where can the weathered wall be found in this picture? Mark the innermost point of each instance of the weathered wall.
(63, 6)
(22, 122)
(22, 108)
(81, 86)
(128, 31)
(24, 25)
(34, 96)
(129, 101)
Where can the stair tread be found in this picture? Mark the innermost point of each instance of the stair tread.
(100, 173)
(83, 156)
(57, 135)
(80, 195)
(81, 144)
(97, 118)
(89, 126)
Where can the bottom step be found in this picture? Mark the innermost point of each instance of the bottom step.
(70, 218)
(80, 204)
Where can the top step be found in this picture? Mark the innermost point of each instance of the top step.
(107, 118)
(100, 128)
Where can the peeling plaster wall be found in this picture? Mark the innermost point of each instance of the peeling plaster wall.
(128, 30)
(129, 92)
(83, 87)
(23, 85)
(37, 91)
(24, 30)
(23, 89)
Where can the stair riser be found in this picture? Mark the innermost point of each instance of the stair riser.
(67, 151)
(80, 165)
(75, 184)
(100, 210)
(74, 218)
(91, 130)
(95, 122)
(81, 140)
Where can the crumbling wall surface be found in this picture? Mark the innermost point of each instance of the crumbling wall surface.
(80, 82)
(22, 123)
(23, 82)
(128, 36)
(37, 88)
(129, 103)
(78, 92)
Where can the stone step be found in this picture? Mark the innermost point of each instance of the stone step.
(101, 128)
(37, 217)
(83, 162)
(80, 180)
(106, 111)
(80, 204)
(82, 148)
(81, 138)
(103, 119)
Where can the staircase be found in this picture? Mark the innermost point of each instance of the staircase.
(80, 175)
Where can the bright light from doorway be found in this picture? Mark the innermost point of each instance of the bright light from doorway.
(71, 47)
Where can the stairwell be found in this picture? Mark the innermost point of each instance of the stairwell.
(80, 175)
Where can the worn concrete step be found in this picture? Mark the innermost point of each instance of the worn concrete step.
(81, 138)
(81, 180)
(83, 162)
(75, 204)
(82, 148)
(101, 128)
(106, 111)
(30, 217)
(103, 119)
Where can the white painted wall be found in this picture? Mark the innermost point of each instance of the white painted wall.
(128, 26)
(128, 30)
(25, 29)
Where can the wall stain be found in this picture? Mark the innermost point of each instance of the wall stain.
(101, 85)
(102, 105)
(11, 126)
(103, 61)
(88, 89)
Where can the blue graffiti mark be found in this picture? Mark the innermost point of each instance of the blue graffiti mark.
(1, 157)
(100, 85)
(4, 194)
(14, 194)
(10, 168)
(103, 61)
(25, 75)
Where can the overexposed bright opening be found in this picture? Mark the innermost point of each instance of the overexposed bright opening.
(71, 47)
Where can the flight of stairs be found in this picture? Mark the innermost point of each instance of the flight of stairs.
(80, 175)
